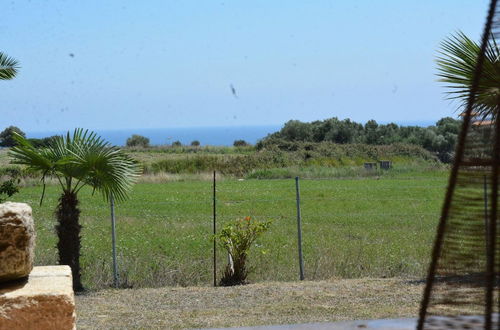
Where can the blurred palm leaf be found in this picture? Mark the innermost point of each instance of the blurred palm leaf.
(8, 67)
(456, 65)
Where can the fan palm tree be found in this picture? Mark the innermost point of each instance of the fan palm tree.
(8, 67)
(83, 159)
(456, 65)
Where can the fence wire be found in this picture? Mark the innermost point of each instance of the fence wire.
(351, 228)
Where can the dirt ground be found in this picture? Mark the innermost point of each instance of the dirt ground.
(256, 304)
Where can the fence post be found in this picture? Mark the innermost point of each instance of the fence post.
(113, 240)
(485, 188)
(215, 231)
(299, 229)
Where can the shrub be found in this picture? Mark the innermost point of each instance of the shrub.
(9, 186)
(240, 143)
(177, 144)
(43, 142)
(138, 141)
(11, 171)
(237, 239)
(195, 143)
(7, 136)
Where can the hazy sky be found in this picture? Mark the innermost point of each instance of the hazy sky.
(154, 64)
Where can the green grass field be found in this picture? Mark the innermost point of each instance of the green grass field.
(352, 228)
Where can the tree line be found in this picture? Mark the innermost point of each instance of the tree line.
(439, 139)
(137, 140)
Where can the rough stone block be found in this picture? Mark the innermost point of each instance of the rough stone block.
(44, 300)
(17, 241)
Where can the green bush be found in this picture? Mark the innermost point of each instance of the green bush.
(11, 171)
(8, 188)
(9, 182)
(138, 141)
(7, 136)
(240, 143)
(43, 142)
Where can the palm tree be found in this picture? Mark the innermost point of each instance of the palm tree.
(456, 67)
(8, 67)
(83, 159)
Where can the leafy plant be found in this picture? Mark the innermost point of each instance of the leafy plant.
(9, 182)
(76, 161)
(8, 188)
(237, 238)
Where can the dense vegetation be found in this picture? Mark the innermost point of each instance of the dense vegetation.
(272, 158)
(439, 139)
(240, 162)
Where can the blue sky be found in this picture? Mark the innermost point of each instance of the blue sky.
(155, 64)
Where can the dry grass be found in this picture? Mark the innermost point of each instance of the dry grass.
(256, 304)
(4, 159)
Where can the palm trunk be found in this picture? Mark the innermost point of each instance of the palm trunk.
(236, 271)
(68, 232)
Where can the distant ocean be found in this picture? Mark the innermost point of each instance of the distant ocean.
(217, 136)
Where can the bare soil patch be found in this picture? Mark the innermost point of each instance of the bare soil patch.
(256, 304)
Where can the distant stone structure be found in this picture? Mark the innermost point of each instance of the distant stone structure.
(370, 165)
(385, 164)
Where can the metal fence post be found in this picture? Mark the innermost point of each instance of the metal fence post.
(113, 241)
(486, 222)
(299, 229)
(215, 230)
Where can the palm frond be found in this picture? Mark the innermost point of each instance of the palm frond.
(456, 65)
(24, 153)
(82, 156)
(98, 164)
(8, 67)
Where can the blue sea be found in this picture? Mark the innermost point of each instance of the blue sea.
(216, 136)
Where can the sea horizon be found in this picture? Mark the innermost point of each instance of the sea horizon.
(214, 136)
(210, 135)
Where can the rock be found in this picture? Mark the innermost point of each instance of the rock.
(17, 241)
(44, 300)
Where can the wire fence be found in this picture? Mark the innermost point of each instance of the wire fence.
(164, 233)
(350, 228)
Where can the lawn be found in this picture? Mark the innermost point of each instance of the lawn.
(352, 228)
